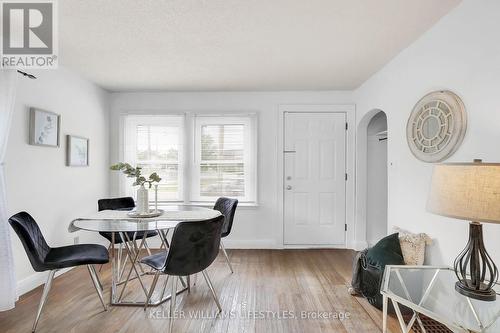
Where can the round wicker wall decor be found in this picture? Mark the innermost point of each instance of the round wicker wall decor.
(436, 126)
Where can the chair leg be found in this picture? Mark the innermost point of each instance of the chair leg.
(225, 255)
(184, 285)
(153, 286)
(98, 280)
(109, 249)
(173, 296)
(195, 279)
(45, 293)
(97, 284)
(164, 287)
(216, 299)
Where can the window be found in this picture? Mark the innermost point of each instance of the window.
(155, 143)
(224, 158)
(220, 158)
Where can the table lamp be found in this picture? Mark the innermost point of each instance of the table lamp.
(470, 191)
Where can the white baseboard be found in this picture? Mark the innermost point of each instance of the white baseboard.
(37, 279)
(312, 247)
(359, 245)
(264, 244)
(251, 244)
(154, 243)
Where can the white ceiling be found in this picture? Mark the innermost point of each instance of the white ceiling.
(125, 45)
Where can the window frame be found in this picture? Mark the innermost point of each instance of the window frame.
(130, 122)
(188, 157)
(249, 154)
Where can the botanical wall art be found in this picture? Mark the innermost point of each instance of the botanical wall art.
(44, 128)
(77, 153)
(436, 126)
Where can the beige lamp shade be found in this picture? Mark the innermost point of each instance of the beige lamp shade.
(467, 191)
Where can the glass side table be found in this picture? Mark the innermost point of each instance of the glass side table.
(430, 290)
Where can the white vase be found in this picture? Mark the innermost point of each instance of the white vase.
(142, 200)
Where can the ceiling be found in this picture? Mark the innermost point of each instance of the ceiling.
(234, 45)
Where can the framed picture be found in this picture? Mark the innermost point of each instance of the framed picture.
(77, 151)
(44, 128)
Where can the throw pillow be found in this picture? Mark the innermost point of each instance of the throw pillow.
(413, 246)
(387, 251)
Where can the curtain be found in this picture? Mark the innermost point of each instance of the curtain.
(8, 82)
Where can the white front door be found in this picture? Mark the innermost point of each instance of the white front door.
(314, 178)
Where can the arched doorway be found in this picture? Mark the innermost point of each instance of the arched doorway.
(371, 221)
(376, 189)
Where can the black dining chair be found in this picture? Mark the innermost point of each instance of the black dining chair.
(45, 258)
(227, 207)
(194, 247)
(125, 203)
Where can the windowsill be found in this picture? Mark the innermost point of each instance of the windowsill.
(204, 204)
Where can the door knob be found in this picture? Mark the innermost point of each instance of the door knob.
(289, 187)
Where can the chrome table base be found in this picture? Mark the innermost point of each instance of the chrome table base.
(136, 271)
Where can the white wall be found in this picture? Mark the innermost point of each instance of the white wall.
(38, 180)
(461, 53)
(255, 227)
(376, 194)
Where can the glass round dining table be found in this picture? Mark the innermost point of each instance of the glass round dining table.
(124, 230)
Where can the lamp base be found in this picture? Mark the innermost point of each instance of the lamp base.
(482, 295)
(475, 270)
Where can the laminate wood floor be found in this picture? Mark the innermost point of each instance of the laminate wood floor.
(270, 291)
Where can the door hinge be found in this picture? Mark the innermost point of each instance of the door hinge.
(346, 126)
(346, 177)
(345, 226)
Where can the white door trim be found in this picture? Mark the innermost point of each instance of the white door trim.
(350, 111)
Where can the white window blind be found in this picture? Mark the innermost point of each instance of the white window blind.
(155, 143)
(225, 160)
